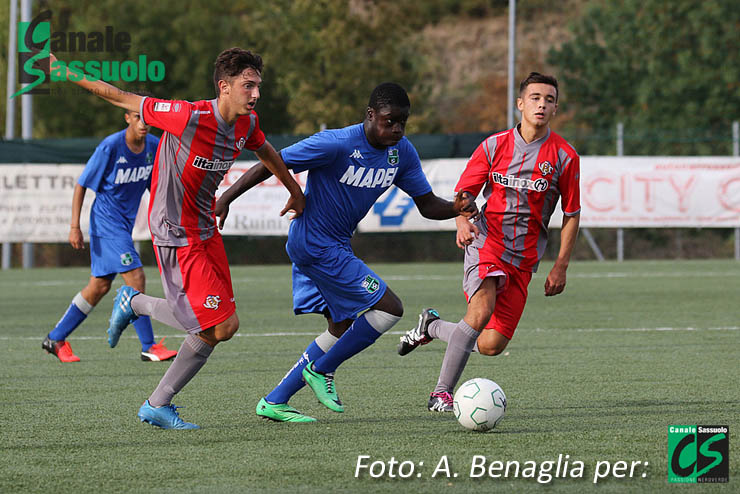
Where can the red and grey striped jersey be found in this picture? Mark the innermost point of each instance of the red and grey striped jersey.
(522, 184)
(196, 150)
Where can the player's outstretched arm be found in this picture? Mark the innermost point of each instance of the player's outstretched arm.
(555, 282)
(108, 92)
(435, 208)
(272, 160)
(75, 234)
(255, 175)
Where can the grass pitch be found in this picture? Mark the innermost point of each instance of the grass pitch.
(597, 373)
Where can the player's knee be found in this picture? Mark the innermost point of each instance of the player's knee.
(99, 290)
(490, 350)
(227, 329)
(491, 347)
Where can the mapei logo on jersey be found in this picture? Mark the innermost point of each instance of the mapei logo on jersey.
(368, 177)
(539, 185)
(698, 454)
(370, 284)
(240, 144)
(356, 154)
(133, 174)
(212, 302)
(546, 168)
(393, 156)
(127, 259)
(212, 165)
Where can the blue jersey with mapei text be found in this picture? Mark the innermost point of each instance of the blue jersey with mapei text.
(119, 178)
(346, 175)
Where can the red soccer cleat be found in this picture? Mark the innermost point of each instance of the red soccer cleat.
(60, 349)
(158, 353)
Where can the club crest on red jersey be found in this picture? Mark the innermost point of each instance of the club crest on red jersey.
(545, 167)
(212, 302)
(240, 144)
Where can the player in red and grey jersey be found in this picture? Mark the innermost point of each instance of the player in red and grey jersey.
(200, 143)
(522, 172)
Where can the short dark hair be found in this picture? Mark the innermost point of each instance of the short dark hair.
(232, 62)
(537, 78)
(389, 94)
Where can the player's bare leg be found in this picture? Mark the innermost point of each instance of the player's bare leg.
(95, 290)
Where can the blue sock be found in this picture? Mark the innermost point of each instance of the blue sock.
(68, 323)
(358, 337)
(293, 380)
(143, 327)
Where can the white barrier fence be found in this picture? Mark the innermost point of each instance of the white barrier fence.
(616, 192)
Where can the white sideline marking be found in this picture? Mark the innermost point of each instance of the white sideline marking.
(304, 333)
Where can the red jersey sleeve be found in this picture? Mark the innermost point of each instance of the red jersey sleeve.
(476, 171)
(169, 115)
(570, 188)
(257, 138)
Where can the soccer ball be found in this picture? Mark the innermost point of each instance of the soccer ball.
(479, 404)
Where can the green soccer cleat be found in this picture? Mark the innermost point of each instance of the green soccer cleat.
(322, 386)
(281, 412)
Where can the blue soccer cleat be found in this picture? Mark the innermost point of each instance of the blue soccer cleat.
(165, 417)
(122, 314)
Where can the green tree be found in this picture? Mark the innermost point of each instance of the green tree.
(651, 64)
(326, 56)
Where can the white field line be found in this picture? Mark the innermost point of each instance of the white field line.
(608, 275)
(310, 333)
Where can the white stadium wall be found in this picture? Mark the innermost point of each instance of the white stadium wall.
(616, 192)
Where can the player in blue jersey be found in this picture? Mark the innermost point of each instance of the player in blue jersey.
(119, 172)
(348, 170)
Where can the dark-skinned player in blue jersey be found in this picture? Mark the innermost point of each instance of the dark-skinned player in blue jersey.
(348, 170)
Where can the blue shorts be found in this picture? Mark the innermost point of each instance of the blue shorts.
(109, 256)
(340, 283)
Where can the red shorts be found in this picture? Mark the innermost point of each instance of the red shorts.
(511, 293)
(197, 283)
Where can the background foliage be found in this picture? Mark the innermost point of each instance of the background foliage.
(669, 71)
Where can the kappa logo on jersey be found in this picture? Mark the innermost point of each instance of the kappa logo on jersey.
(133, 174)
(122, 159)
(211, 165)
(368, 177)
(370, 284)
(546, 168)
(162, 106)
(212, 302)
(356, 154)
(127, 259)
(393, 156)
(539, 185)
(241, 143)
